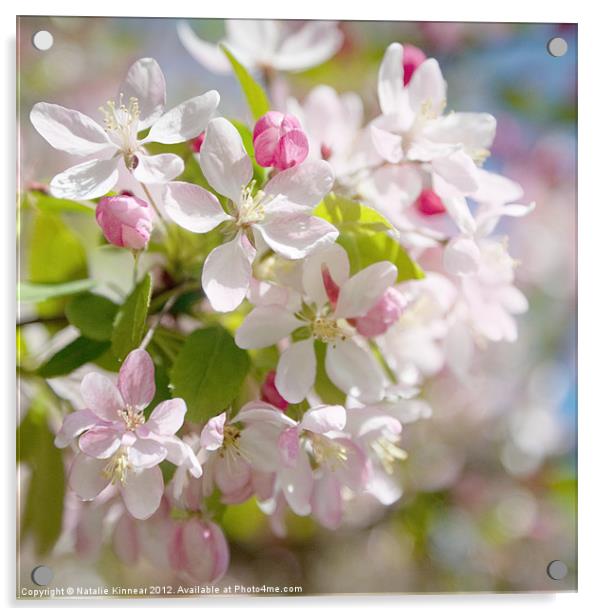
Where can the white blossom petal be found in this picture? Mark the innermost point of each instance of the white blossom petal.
(296, 371)
(142, 492)
(297, 483)
(227, 273)
(304, 184)
(146, 453)
(88, 180)
(392, 96)
(355, 371)
(361, 292)
(86, 477)
(207, 54)
(69, 130)
(186, 121)
(427, 87)
(324, 418)
(101, 396)
(462, 256)
(335, 258)
(193, 207)
(158, 169)
(224, 160)
(167, 417)
(73, 425)
(145, 82)
(264, 326)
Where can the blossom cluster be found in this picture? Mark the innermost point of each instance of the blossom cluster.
(340, 315)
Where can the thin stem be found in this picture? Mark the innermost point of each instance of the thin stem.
(383, 362)
(151, 332)
(136, 255)
(154, 205)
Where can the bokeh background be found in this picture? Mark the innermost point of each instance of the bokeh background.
(490, 482)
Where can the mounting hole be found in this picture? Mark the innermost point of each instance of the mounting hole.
(557, 570)
(41, 575)
(42, 40)
(557, 47)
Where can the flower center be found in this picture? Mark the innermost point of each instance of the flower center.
(327, 451)
(327, 330)
(121, 122)
(132, 418)
(388, 453)
(251, 207)
(116, 470)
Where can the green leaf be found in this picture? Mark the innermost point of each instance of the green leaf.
(324, 387)
(38, 292)
(130, 321)
(50, 204)
(75, 354)
(209, 372)
(92, 314)
(256, 97)
(43, 509)
(365, 248)
(346, 215)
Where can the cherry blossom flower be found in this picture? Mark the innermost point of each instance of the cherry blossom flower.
(266, 44)
(318, 461)
(280, 214)
(117, 444)
(413, 128)
(139, 106)
(235, 459)
(125, 221)
(331, 301)
(279, 141)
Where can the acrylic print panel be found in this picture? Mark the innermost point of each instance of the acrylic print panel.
(296, 307)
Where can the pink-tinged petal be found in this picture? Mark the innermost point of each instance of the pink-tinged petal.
(167, 417)
(86, 477)
(263, 293)
(297, 484)
(101, 396)
(258, 444)
(386, 143)
(265, 144)
(101, 442)
(335, 258)
(311, 45)
(264, 326)
(296, 371)
(355, 472)
(462, 256)
(185, 121)
(212, 436)
(88, 180)
(363, 290)
(355, 371)
(145, 82)
(88, 533)
(224, 160)
(193, 207)
(292, 149)
(495, 188)
(384, 487)
(73, 425)
(326, 501)
(473, 131)
(69, 130)
(413, 57)
(227, 273)
(142, 492)
(488, 216)
(220, 551)
(305, 184)
(204, 53)
(330, 286)
(324, 418)
(146, 453)
(158, 169)
(231, 473)
(126, 540)
(459, 170)
(391, 94)
(182, 455)
(288, 445)
(137, 379)
(428, 87)
(291, 232)
(270, 393)
(263, 413)
(383, 315)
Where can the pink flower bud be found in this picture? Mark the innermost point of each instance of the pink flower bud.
(197, 142)
(330, 286)
(429, 203)
(413, 57)
(279, 141)
(382, 315)
(125, 221)
(199, 549)
(270, 394)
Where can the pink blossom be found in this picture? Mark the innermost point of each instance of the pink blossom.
(125, 221)
(382, 315)
(413, 57)
(269, 392)
(198, 549)
(279, 141)
(118, 445)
